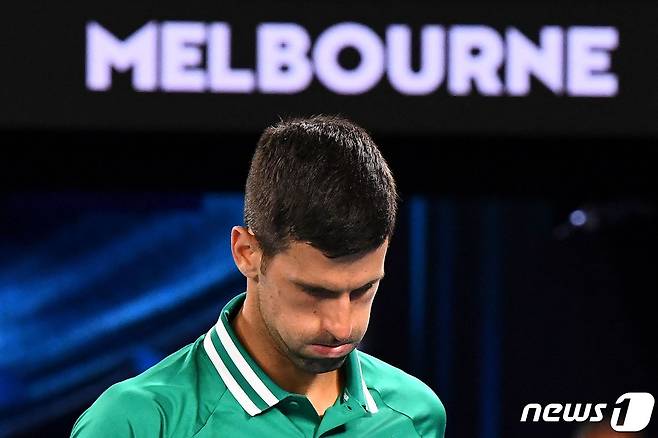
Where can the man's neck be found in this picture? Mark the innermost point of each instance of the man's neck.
(251, 331)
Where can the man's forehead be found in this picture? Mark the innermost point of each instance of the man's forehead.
(301, 256)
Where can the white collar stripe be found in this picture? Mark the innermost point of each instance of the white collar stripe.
(242, 365)
(370, 402)
(372, 406)
(228, 379)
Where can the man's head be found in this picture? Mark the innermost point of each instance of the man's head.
(320, 208)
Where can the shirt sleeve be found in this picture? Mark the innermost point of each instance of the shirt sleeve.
(120, 414)
(430, 422)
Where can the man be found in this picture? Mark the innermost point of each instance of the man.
(320, 208)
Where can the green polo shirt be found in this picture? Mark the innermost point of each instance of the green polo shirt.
(213, 388)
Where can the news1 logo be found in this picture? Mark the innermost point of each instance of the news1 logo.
(631, 412)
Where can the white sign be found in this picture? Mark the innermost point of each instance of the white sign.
(465, 59)
(633, 417)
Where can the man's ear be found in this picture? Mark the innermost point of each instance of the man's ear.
(246, 251)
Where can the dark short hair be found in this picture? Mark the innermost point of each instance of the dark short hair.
(320, 180)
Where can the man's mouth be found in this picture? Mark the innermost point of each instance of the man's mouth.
(329, 351)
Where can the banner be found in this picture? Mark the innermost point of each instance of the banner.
(397, 68)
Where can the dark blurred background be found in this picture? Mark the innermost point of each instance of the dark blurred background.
(524, 262)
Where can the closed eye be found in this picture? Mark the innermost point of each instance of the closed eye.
(358, 293)
(319, 293)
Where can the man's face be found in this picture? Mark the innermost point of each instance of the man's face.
(310, 303)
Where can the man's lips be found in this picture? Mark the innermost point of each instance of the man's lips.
(324, 350)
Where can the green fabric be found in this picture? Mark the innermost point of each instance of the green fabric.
(185, 396)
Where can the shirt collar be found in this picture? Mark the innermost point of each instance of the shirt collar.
(249, 384)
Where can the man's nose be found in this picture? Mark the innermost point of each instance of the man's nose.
(337, 318)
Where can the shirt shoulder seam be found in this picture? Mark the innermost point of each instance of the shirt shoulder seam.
(219, 399)
(396, 410)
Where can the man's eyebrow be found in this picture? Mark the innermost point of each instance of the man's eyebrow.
(317, 288)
